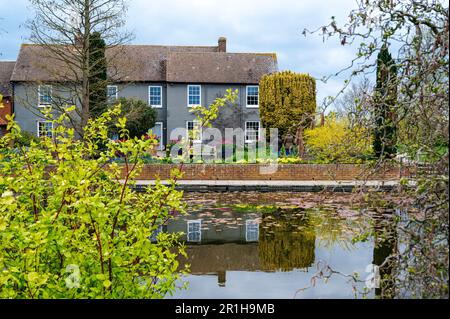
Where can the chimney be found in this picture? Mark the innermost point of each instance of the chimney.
(222, 44)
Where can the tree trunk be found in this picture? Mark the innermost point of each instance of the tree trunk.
(86, 66)
(300, 143)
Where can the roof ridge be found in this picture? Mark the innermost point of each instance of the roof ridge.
(248, 53)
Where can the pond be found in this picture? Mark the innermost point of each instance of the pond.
(274, 245)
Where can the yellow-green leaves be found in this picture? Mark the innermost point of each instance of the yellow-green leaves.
(72, 225)
(336, 142)
(285, 98)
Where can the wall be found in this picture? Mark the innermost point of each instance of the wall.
(140, 91)
(26, 110)
(292, 172)
(232, 117)
(174, 112)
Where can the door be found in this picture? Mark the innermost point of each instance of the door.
(158, 131)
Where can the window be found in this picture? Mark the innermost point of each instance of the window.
(158, 131)
(45, 95)
(155, 96)
(45, 128)
(194, 95)
(251, 132)
(194, 233)
(252, 96)
(251, 230)
(111, 93)
(194, 131)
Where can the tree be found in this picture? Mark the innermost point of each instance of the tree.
(69, 228)
(287, 101)
(355, 103)
(384, 142)
(140, 117)
(418, 34)
(68, 33)
(98, 102)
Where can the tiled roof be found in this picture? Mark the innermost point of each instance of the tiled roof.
(6, 69)
(151, 63)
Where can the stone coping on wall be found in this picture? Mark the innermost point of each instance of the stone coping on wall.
(280, 172)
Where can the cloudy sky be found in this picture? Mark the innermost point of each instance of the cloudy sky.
(249, 25)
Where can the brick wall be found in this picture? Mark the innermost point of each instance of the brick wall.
(299, 172)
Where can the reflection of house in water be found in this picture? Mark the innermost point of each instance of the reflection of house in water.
(229, 241)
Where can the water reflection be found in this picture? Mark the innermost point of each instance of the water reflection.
(385, 247)
(287, 241)
(268, 245)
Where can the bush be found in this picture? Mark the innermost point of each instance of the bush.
(140, 117)
(26, 138)
(286, 99)
(336, 142)
(70, 229)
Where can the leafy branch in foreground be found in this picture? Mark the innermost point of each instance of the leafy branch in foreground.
(73, 226)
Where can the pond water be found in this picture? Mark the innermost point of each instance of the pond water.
(273, 245)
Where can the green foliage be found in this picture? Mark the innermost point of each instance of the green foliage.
(97, 75)
(285, 99)
(336, 142)
(70, 228)
(25, 139)
(140, 117)
(384, 142)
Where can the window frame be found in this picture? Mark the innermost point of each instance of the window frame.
(200, 95)
(246, 130)
(251, 106)
(116, 97)
(38, 133)
(160, 97)
(40, 95)
(195, 221)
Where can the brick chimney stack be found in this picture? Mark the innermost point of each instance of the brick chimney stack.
(222, 44)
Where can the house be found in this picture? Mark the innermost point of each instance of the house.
(6, 69)
(171, 79)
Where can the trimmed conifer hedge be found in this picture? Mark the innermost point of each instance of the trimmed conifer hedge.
(284, 98)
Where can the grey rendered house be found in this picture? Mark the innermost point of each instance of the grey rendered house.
(170, 79)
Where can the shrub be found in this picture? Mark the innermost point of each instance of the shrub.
(69, 228)
(285, 99)
(140, 117)
(25, 139)
(336, 142)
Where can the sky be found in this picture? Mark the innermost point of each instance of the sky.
(249, 26)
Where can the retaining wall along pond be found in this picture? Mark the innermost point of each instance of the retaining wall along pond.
(280, 172)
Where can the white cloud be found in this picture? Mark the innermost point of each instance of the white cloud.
(249, 25)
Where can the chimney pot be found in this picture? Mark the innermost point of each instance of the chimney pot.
(222, 44)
